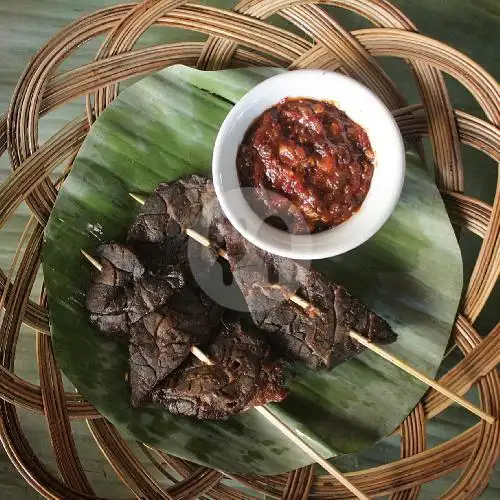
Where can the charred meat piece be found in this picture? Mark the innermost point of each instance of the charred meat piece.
(152, 291)
(163, 315)
(107, 307)
(107, 295)
(127, 267)
(352, 314)
(242, 376)
(122, 291)
(160, 340)
(317, 340)
(158, 232)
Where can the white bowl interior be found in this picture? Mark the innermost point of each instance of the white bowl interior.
(362, 106)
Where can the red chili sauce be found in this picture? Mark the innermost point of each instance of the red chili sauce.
(308, 162)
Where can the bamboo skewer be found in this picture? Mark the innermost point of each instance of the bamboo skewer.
(93, 261)
(356, 336)
(273, 419)
(423, 378)
(137, 198)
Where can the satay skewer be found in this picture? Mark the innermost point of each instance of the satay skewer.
(374, 348)
(358, 338)
(273, 419)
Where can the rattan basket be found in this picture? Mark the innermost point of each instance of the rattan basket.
(239, 38)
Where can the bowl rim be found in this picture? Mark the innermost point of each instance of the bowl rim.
(305, 246)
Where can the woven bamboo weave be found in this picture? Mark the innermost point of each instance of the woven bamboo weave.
(242, 37)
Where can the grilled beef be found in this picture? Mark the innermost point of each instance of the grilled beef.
(319, 339)
(162, 314)
(160, 341)
(109, 290)
(243, 375)
(158, 233)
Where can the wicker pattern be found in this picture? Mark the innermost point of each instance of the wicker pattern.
(239, 38)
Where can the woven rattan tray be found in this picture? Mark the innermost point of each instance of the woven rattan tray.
(240, 38)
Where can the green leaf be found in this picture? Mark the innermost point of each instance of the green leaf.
(163, 128)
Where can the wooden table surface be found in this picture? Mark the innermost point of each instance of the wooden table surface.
(471, 26)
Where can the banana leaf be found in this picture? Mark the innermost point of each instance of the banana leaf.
(163, 128)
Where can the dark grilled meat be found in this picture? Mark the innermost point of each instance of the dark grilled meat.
(158, 232)
(160, 341)
(317, 340)
(124, 291)
(152, 291)
(162, 314)
(242, 376)
(109, 290)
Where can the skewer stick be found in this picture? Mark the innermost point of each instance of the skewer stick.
(290, 434)
(91, 259)
(204, 241)
(198, 353)
(423, 378)
(273, 419)
(137, 198)
(369, 345)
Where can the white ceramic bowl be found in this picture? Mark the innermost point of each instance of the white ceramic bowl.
(362, 106)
